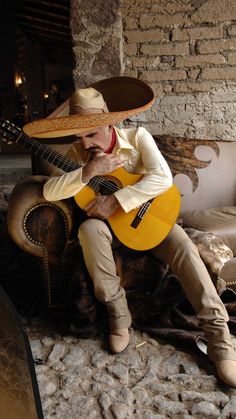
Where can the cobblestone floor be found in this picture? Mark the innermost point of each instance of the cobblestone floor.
(79, 379)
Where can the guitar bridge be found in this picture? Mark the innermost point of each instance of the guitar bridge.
(136, 221)
(139, 216)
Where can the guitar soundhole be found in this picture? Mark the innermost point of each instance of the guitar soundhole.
(109, 185)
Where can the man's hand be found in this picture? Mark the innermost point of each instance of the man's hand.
(102, 206)
(100, 165)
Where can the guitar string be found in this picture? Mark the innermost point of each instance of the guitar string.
(51, 153)
(94, 182)
(33, 143)
(143, 209)
(66, 161)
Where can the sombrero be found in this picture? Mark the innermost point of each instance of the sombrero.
(124, 96)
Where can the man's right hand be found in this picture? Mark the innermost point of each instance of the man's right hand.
(100, 164)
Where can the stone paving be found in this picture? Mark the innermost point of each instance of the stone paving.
(78, 378)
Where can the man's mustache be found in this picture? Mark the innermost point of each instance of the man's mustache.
(93, 150)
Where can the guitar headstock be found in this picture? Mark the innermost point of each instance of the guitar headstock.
(9, 132)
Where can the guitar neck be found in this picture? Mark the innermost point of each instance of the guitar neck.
(10, 132)
(46, 153)
(49, 154)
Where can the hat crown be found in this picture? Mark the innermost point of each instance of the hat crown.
(86, 99)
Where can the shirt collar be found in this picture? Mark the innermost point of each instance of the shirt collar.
(113, 143)
(121, 141)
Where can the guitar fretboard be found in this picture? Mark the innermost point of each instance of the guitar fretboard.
(47, 153)
(52, 156)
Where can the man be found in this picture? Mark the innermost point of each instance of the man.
(101, 150)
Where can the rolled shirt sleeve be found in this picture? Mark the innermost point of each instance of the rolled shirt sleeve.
(63, 186)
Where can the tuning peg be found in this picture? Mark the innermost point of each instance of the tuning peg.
(6, 141)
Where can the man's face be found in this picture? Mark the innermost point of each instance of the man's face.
(98, 139)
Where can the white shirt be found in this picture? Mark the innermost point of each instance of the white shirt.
(138, 149)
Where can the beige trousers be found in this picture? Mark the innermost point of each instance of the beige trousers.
(179, 252)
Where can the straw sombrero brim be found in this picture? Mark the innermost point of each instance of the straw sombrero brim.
(124, 96)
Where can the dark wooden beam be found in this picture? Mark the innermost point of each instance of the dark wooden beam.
(60, 5)
(41, 12)
(33, 21)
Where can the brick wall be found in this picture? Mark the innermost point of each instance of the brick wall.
(186, 50)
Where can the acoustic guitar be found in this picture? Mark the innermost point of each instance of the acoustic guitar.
(139, 229)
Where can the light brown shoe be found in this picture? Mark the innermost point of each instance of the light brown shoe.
(226, 370)
(119, 340)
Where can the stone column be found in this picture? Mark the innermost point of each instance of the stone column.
(96, 28)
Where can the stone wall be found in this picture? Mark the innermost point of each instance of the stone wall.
(186, 51)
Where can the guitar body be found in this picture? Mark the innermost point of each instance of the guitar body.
(156, 222)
